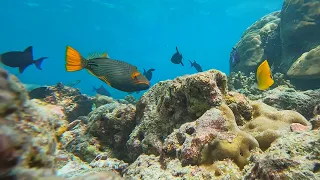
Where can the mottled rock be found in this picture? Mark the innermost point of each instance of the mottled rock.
(307, 66)
(259, 42)
(213, 137)
(299, 26)
(268, 123)
(74, 103)
(149, 167)
(112, 124)
(292, 156)
(168, 104)
(291, 99)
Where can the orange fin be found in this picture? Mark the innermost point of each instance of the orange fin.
(98, 55)
(135, 74)
(73, 60)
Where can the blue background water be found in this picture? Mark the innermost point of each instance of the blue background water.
(141, 32)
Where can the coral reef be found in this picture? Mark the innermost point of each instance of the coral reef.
(74, 103)
(258, 43)
(268, 124)
(288, 39)
(293, 156)
(168, 104)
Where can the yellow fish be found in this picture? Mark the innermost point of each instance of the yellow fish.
(264, 76)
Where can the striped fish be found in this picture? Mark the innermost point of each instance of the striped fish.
(117, 74)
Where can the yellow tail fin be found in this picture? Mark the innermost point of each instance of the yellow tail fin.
(73, 60)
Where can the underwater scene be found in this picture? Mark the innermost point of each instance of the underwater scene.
(160, 90)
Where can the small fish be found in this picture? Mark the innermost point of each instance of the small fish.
(117, 74)
(234, 57)
(148, 74)
(101, 90)
(21, 59)
(177, 58)
(39, 93)
(74, 83)
(264, 76)
(196, 65)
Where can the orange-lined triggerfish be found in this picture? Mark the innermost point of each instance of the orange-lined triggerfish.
(117, 74)
(264, 76)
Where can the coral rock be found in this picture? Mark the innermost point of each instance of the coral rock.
(168, 104)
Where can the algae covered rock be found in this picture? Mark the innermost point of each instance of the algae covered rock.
(292, 156)
(74, 103)
(286, 98)
(168, 104)
(259, 42)
(268, 123)
(307, 66)
(29, 129)
(299, 29)
(150, 167)
(213, 137)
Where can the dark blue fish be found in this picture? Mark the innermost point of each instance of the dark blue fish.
(101, 90)
(21, 59)
(148, 74)
(234, 57)
(177, 57)
(196, 65)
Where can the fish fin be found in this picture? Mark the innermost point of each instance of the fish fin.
(38, 62)
(91, 72)
(182, 63)
(74, 61)
(22, 68)
(144, 71)
(152, 69)
(177, 49)
(93, 89)
(104, 79)
(134, 74)
(95, 55)
(28, 50)
(191, 63)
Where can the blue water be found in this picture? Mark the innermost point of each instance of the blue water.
(141, 32)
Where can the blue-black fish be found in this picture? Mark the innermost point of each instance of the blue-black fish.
(101, 90)
(177, 57)
(117, 74)
(21, 59)
(196, 65)
(148, 74)
(234, 57)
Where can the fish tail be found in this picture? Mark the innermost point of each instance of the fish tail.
(74, 60)
(38, 62)
(191, 63)
(182, 63)
(94, 88)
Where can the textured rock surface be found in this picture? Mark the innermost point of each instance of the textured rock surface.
(299, 27)
(268, 123)
(259, 42)
(307, 66)
(149, 167)
(214, 136)
(290, 99)
(74, 103)
(293, 156)
(169, 104)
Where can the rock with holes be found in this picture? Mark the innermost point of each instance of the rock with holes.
(169, 104)
(73, 102)
(293, 156)
(212, 137)
(28, 128)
